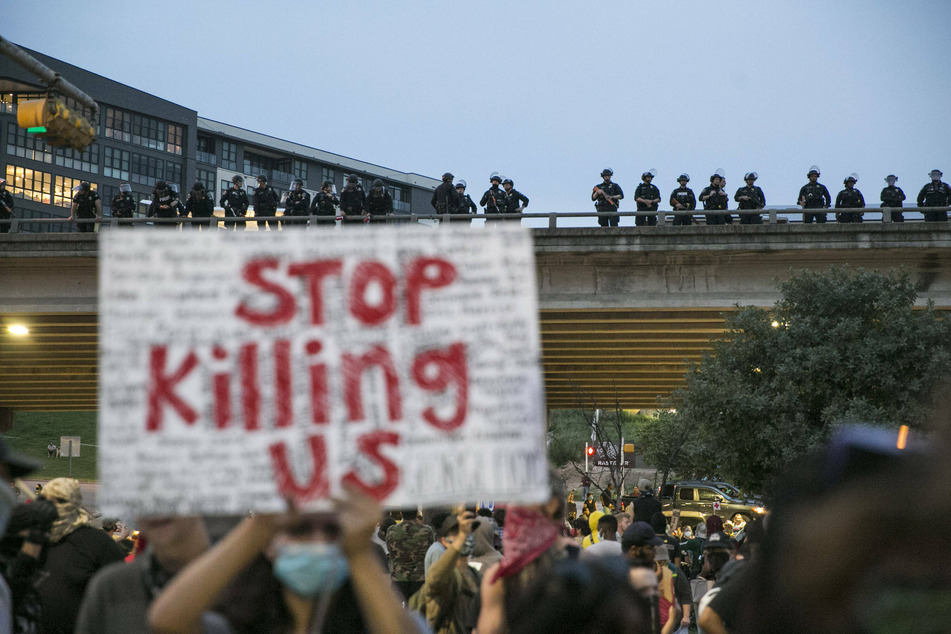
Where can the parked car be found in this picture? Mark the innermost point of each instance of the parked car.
(695, 500)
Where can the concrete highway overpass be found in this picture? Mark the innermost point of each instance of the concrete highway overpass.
(623, 311)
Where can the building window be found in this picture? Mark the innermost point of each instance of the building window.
(21, 144)
(87, 161)
(326, 174)
(147, 169)
(115, 163)
(206, 150)
(173, 172)
(173, 139)
(207, 178)
(118, 125)
(148, 132)
(300, 170)
(63, 191)
(229, 155)
(257, 164)
(29, 184)
(225, 186)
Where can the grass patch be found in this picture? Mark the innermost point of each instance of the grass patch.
(32, 431)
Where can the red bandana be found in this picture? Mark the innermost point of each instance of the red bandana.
(528, 533)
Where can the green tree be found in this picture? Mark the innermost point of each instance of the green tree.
(839, 347)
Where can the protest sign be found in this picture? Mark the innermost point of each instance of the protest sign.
(237, 368)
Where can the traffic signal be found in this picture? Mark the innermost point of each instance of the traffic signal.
(50, 120)
(590, 450)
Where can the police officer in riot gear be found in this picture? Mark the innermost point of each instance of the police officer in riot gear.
(297, 204)
(892, 196)
(849, 198)
(200, 205)
(325, 205)
(715, 199)
(515, 201)
(935, 194)
(123, 204)
(607, 199)
(682, 199)
(353, 202)
(86, 205)
(493, 198)
(379, 202)
(445, 197)
(647, 197)
(235, 200)
(265, 201)
(750, 197)
(814, 195)
(164, 204)
(466, 206)
(6, 206)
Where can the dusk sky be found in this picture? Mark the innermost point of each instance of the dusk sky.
(547, 92)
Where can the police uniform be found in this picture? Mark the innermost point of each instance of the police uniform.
(849, 199)
(493, 200)
(647, 191)
(164, 206)
(265, 201)
(235, 202)
(445, 198)
(514, 199)
(86, 208)
(199, 205)
(815, 196)
(683, 195)
(718, 201)
(379, 206)
(297, 205)
(757, 200)
(892, 196)
(325, 204)
(6, 209)
(935, 194)
(352, 202)
(604, 206)
(466, 206)
(123, 206)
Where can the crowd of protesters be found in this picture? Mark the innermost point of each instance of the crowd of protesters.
(856, 542)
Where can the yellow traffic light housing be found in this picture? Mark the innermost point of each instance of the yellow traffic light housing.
(50, 120)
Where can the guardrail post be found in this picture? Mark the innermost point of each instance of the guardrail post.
(661, 218)
(773, 218)
(886, 216)
(552, 221)
(14, 225)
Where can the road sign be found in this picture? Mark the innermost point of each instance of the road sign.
(606, 455)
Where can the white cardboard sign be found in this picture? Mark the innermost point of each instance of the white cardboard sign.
(237, 368)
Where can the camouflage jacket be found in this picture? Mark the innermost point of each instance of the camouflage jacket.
(407, 544)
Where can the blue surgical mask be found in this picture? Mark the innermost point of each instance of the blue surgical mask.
(312, 568)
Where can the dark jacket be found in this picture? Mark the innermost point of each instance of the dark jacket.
(493, 200)
(297, 203)
(265, 201)
(466, 206)
(757, 198)
(849, 199)
(718, 201)
(816, 196)
(123, 205)
(445, 199)
(352, 200)
(6, 204)
(199, 204)
(379, 205)
(647, 191)
(892, 196)
(684, 196)
(324, 204)
(512, 199)
(235, 202)
(164, 206)
(610, 189)
(935, 194)
(86, 203)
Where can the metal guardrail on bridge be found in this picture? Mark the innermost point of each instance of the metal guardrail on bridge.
(664, 218)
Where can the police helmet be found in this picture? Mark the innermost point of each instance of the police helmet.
(684, 177)
(85, 186)
(851, 177)
(125, 188)
(161, 185)
(751, 175)
(938, 172)
(891, 178)
(651, 172)
(495, 176)
(460, 183)
(3, 181)
(447, 176)
(509, 181)
(262, 178)
(174, 187)
(326, 184)
(236, 179)
(717, 174)
(814, 170)
(378, 183)
(608, 171)
(198, 186)
(297, 181)
(352, 178)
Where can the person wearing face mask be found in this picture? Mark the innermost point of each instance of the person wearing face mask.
(77, 550)
(328, 577)
(892, 197)
(935, 194)
(450, 597)
(12, 466)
